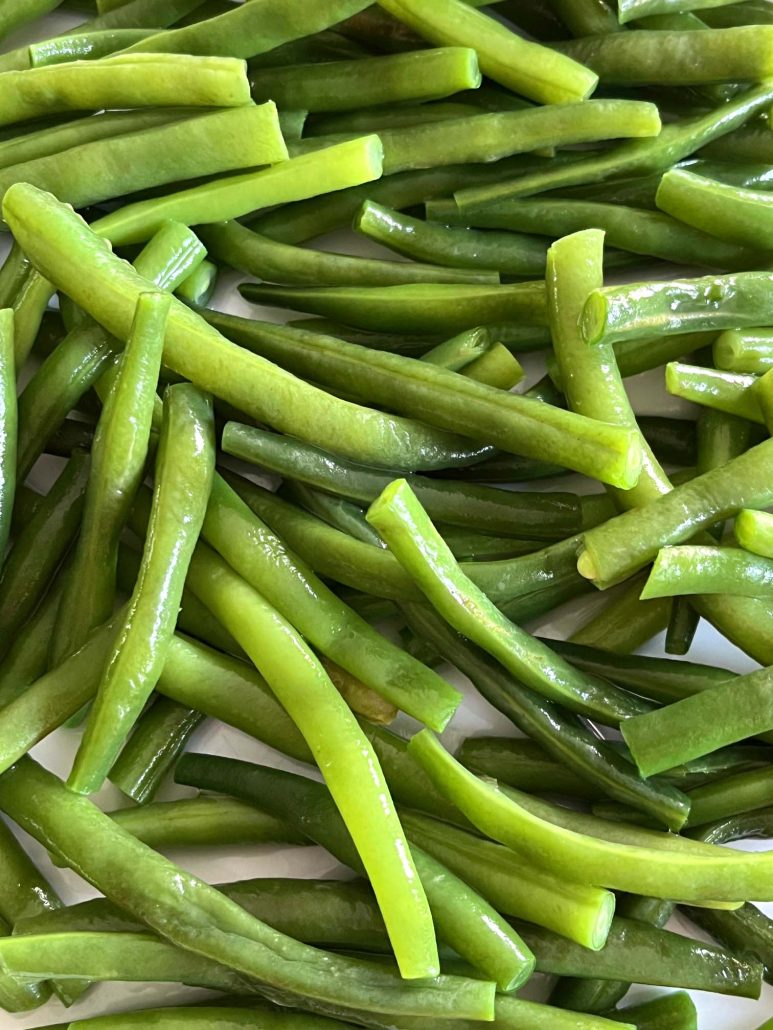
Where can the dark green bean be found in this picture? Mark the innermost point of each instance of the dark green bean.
(338, 513)
(159, 738)
(549, 516)
(272, 261)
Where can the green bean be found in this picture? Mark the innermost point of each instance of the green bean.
(408, 531)
(544, 516)
(631, 229)
(309, 218)
(625, 622)
(83, 46)
(223, 1016)
(199, 286)
(40, 547)
(121, 82)
(208, 144)
(634, 158)
(523, 764)
(257, 255)
(749, 350)
(675, 1011)
(141, 14)
(161, 735)
(625, 544)
(456, 247)
(245, 540)
(342, 85)
(675, 58)
(8, 425)
(373, 119)
(749, 143)
(525, 68)
(629, 10)
(491, 415)
(336, 167)
(339, 747)
(26, 894)
(754, 532)
(27, 658)
(340, 557)
(18, 12)
(746, 933)
(199, 353)
(464, 919)
(491, 136)
(559, 733)
(338, 513)
(199, 919)
(741, 216)
(472, 546)
(728, 392)
(497, 368)
(29, 306)
(184, 472)
(119, 455)
(709, 570)
(246, 31)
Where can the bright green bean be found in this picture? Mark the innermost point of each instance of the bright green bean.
(198, 918)
(729, 392)
(257, 255)
(630, 10)
(340, 749)
(625, 544)
(18, 12)
(728, 876)
(709, 570)
(524, 67)
(198, 287)
(738, 215)
(517, 424)
(749, 350)
(209, 144)
(184, 470)
(114, 82)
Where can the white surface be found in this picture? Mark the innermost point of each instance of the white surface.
(475, 718)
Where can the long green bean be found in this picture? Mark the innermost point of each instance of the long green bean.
(184, 472)
(272, 261)
(8, 425)
(634, 158)
(199, 919)
(549, 516)
(195, 351)
(518, 424)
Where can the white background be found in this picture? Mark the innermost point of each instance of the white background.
(475, 718)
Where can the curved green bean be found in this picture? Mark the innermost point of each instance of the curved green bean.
(524, 67)
(518, 424)
(184, 471)
(199, 919)
(272, 261)
(549, 516)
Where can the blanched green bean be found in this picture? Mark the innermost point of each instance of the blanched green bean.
(729, 392)
(625, 544)
(8, 426)
(272, 261)
(709, 570)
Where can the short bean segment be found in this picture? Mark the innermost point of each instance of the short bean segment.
(550, 516)
(184, 471)
(749, 350)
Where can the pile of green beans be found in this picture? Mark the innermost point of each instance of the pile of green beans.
(436, 483)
